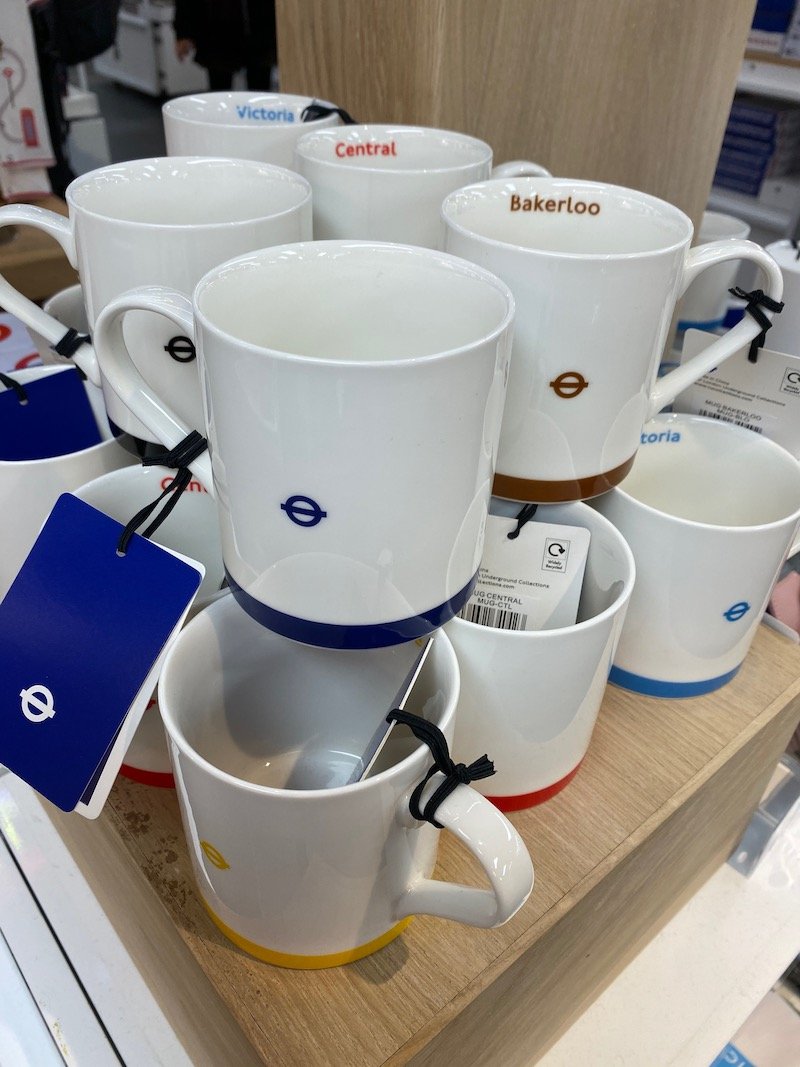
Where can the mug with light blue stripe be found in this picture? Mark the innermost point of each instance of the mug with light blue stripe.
(710, 511)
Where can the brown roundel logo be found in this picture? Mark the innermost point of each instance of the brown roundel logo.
(569, 384)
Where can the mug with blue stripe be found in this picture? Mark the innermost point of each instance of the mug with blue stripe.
(711, 511)
(353, 394)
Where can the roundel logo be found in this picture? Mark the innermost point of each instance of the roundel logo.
(213, 855)
(303, 511)
(736, 611)
(181, 349)
(569, 384)
(37, 703)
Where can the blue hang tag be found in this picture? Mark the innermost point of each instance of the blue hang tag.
(83, 632)
(51, 416)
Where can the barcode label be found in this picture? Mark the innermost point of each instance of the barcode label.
(733, 422)
(496, 617)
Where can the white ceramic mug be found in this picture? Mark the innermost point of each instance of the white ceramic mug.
(243, 125)
(166, 222)
(710, 511)
(387, 183)
(295, 873)
(30, 488)
(596, 270)
(784, 336)
(354, 394)
(191, 529)
(531, 697)
(705, 302)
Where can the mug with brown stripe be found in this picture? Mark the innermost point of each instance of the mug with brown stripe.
(596, 271)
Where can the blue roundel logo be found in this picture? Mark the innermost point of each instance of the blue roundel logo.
(303, 511)
(736, 611)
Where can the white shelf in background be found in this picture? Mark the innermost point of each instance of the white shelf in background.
(780, 80)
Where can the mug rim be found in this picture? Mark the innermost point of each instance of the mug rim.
(30, 375)
(170, 108)
(554, 634)
(140, 164)
(451, 262)
(176, 734)
(451, 220)
(784, 254)
(696, 524)
(326, 134)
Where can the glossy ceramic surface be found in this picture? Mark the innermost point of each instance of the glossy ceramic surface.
(596, 271)
(710, 511)
(257, 728)
(353, 446)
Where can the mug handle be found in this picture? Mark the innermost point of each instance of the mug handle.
(13, 301)
(496, 845)
(699, 259)
(121, 375)
(520, 168)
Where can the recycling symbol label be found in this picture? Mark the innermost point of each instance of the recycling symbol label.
(556, 554)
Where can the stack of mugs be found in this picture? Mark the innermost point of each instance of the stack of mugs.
(454, 343)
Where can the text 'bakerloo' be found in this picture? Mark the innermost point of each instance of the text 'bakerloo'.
(566, 205)
(344, 150)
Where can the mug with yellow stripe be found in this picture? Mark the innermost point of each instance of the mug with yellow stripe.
(293, 866)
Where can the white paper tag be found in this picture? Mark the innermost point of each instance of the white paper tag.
(530, 582)
(762, 396)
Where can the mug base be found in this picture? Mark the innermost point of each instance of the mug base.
(520, 801)
(161, 779)
(533, 491)
(350, 636)
(300, 962)
(654, 687)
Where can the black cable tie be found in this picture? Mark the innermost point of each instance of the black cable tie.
(756, 300)
(70, 343)
(192, 446)
(526, 514)
(456, 774)
(182, 455)
(315, 110)
(12, 383)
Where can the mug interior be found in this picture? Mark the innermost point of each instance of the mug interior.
(242, 109)
(558, 215)
(708, 471)
(608, 578)
(191, 528)
(176, 191)
(278, 714)
(371, 303)
(394, 148)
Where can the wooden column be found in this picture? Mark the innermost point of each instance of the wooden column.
(635, 92)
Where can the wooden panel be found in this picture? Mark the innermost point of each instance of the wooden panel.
(33, 262)
(635, 92)
(659, 800)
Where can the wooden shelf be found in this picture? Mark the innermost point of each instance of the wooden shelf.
(660, 801)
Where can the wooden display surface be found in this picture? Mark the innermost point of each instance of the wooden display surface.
(33, 262)
(658, 804)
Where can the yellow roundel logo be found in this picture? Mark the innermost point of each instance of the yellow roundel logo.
(213, 855)
(569, 384)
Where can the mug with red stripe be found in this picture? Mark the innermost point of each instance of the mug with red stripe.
(531, 697)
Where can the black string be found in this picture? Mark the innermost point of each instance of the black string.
(526, 514)
(758, 299)
(11, 383)
(316, 111)
(456, 774)
(192, 446)
(70, 343)
(796, 246)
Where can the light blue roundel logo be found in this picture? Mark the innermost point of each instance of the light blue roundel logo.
(303, 511)
(736, 611)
